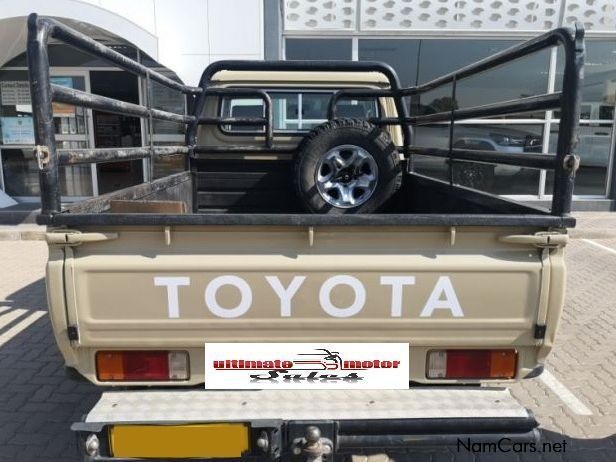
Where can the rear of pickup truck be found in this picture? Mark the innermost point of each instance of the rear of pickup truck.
(436, 288)
(474, 304)
(147, 285)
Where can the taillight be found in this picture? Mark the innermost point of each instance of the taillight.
(472, 364)
(141, 366)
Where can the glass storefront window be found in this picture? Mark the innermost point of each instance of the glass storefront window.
(597, 117)
(594, 152)
(419, 61)
(521, 78)
(167, 99)
(21, 175)
(165, 133)
(318, 49)
(497, 179)
(599, 84)
(72, 125)
(20, 171)
(169, 165)
(401, 54)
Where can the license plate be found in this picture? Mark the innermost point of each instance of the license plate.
(179, 441)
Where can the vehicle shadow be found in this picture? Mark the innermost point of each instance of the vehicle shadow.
(38, 402)
(29, 297)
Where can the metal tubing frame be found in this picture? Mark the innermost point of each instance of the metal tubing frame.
(43, 93)
(267, 121)
(41, 29)
(103, 103)
(529, 160)
(96, 156)
(564, 162)
(294, 66)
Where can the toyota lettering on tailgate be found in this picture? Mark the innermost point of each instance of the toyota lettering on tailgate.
(442, 297)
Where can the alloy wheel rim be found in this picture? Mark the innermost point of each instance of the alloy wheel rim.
(346, 176)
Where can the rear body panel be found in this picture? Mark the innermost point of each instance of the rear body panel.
(433, 287)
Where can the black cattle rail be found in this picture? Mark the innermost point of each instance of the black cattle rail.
(41, 29)
(43, 93)
(564, 162)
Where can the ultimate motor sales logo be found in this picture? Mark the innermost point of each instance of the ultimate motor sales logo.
(309, 366)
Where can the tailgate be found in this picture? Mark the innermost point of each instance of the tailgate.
(431, 287)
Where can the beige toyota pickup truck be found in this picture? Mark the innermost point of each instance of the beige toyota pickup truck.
(301, 223)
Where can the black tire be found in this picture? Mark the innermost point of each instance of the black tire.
(349, 134)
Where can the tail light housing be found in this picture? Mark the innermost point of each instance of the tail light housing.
(141, 366)
(472, 364)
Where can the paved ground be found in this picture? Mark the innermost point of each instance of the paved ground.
(38, 404)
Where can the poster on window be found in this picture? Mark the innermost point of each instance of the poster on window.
(15, 93)
(62, 109)
(17, 130)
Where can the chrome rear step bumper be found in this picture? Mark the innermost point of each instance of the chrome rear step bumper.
(346, 422)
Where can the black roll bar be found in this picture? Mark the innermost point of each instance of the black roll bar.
(267, 121)
(297, 66)
(41, 29)
(81, 98)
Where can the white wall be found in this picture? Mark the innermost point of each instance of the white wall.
(183, 35)
(447, 17)
(193, 33)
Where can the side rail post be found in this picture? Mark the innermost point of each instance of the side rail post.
(42, 112)
(567, 162)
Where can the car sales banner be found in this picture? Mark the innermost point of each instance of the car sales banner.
(306, 366)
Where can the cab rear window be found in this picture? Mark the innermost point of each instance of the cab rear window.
(294, 111)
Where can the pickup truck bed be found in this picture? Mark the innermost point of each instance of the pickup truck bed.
(422, 201)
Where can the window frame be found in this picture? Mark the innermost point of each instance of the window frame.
(297, 90)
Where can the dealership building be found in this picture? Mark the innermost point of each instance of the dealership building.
(421, 39)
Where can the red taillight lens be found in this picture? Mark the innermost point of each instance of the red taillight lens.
(472, 364)
(141, 366)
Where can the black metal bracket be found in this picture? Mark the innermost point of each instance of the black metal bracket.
(540, 331)
(73, 333)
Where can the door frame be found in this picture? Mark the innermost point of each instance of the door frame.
(142, 123)
(85, 73)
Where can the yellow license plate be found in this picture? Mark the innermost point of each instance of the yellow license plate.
(178, 441)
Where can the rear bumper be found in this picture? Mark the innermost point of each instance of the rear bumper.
(349, 422)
